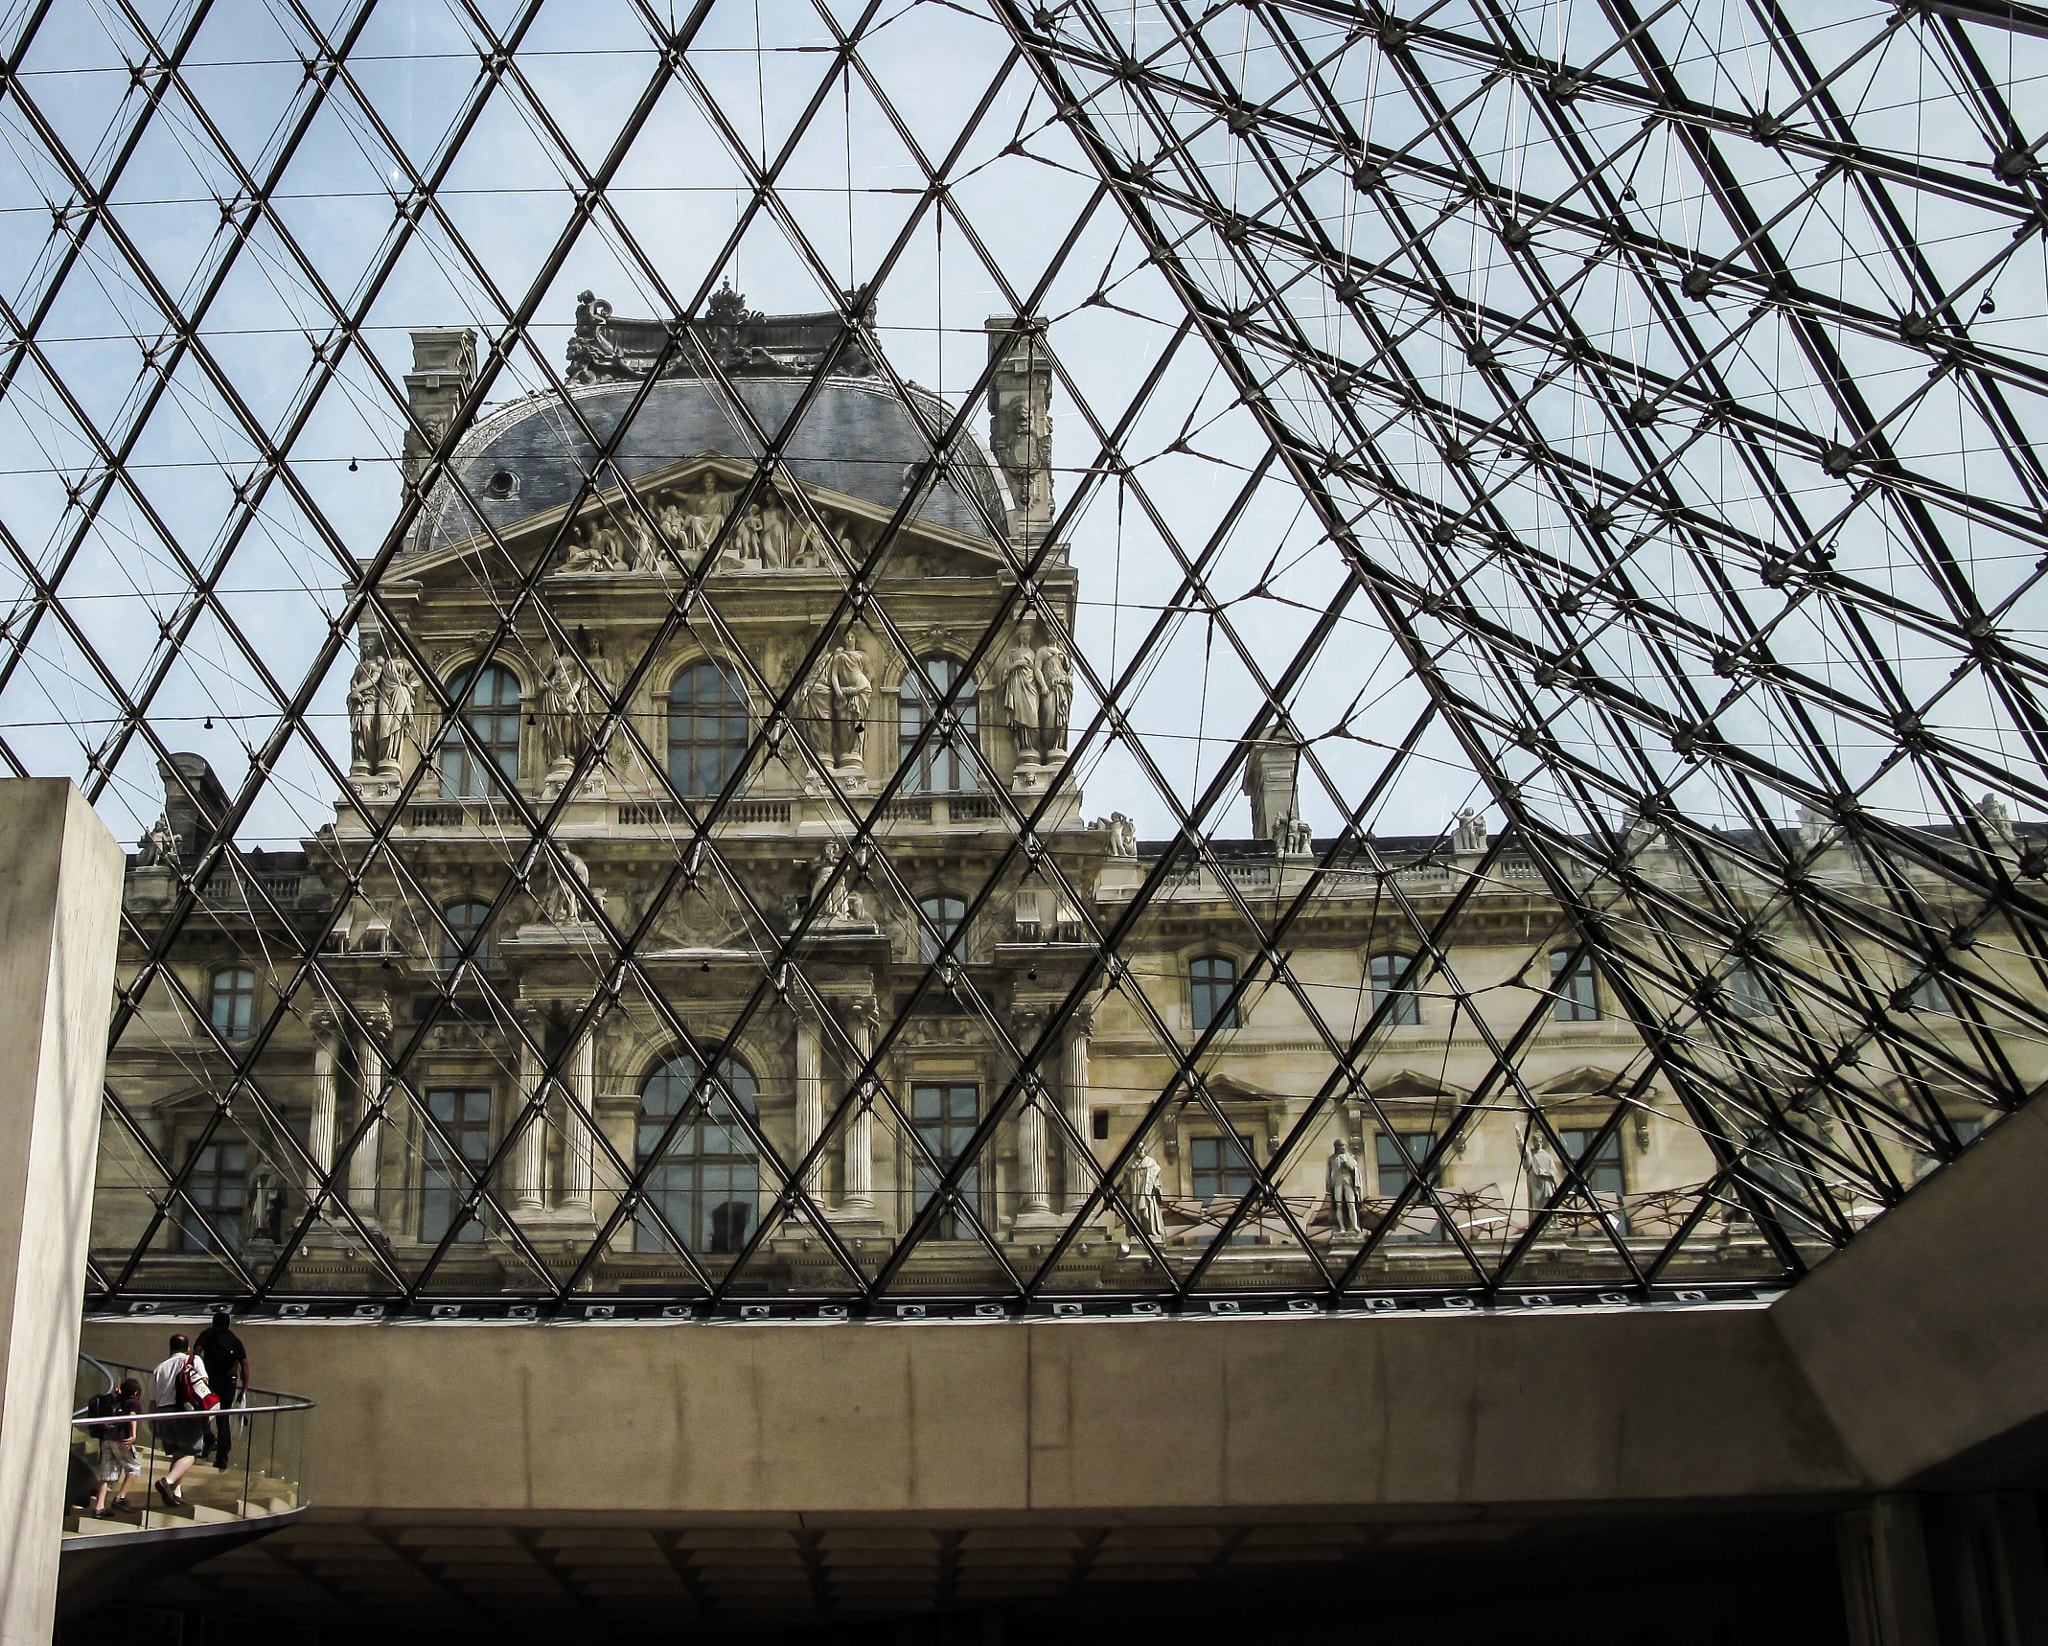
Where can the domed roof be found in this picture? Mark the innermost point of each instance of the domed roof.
(855, 437)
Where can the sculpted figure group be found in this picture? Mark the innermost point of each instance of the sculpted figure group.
(769, 535)
(1038, 695)
(380, 700)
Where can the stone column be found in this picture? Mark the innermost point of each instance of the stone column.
(60, 906)
(579, 1115)
(858, 1149)
(1080, 1159)
(320, 1124)
(810, 1099)
(362, 1165)
(1032, 1184)
(529, 1154)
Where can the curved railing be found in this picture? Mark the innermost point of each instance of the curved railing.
(264, 1476)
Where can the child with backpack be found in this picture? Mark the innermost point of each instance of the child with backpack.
(117, 1463)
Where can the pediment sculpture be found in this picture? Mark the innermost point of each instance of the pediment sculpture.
(769, 536)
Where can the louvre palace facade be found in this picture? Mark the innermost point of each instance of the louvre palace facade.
(683, 947)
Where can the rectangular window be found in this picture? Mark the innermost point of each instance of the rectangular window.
(1101, 1125)
(1387, 970)
(218, 1188)
(1398, 1155)
(1221, 1166)
(233, 1006)
(1604, 1173)
(945, 1118)
(1573, 983)
(1210, 980)
(465, 1115)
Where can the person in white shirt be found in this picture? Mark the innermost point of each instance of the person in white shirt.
(180, 1386)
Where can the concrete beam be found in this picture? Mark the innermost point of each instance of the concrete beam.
(1059, 1419)
(60, 909)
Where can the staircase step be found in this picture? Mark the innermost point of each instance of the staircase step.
(83, 1525)
(268, 1506)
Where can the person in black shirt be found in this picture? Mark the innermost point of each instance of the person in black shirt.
(227, 1369)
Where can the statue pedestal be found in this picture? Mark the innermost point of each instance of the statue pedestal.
(1030, 777)
(591, 788)
(851, 776)
(852, 1223)
(380, 790)
(151, 888)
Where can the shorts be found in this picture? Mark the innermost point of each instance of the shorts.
(184, 1436)
(118, 1462)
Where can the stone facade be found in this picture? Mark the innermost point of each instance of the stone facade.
(536, 1015)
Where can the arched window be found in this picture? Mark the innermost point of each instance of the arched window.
(708, 1182)
(231, 1002)
(1386, 973)
(943, 917)
(1210, 980)
(466, 937)
(944, 766)
(488, 700)
(707, 728)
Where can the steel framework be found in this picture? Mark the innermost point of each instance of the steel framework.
(1617, 418)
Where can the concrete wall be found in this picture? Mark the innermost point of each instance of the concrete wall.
(60, 907)
(1164, 1417)
(1927, 1336)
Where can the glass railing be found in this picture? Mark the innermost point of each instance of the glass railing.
(247, 1460)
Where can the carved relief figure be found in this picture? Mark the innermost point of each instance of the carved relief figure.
(1346, 1186)
(707, 510)
(1021, 695)
(1141, 1193)
(1055, 696)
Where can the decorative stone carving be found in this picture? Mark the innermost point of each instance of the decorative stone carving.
(1123, 836)
(770, 535)
(1346, 1186)
(1142, 1194)
(1470, 834)
(1269, 779)
(380, 702)
(159, 847)
(593, 355)
(568, 890)
(1541, 1165)
(1055, 697)
(565, 714)
(1022, 695)
(1997, 819)
(849, 692)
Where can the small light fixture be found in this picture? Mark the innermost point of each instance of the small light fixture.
(351, 465)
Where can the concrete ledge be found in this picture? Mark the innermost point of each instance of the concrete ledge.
(1058, 1419)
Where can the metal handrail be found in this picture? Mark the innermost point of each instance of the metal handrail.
(293, 1403)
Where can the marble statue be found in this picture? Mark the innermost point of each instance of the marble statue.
(594, 547)
(1123, 836)
(1055, 672)
(1142, 1194)
(566, 880)
(395, 688)
(643, 554)
(1470, 833)
(1296, 838)
(1542, 1167)
(265, 1206)
(831, 900)
(362, 714)
(851, 690)
(159, 847)
(564, 713)
(1996, 818)
(1346, 1186)
(1021, 695)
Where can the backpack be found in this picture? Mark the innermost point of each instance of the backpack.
(104, 1405)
